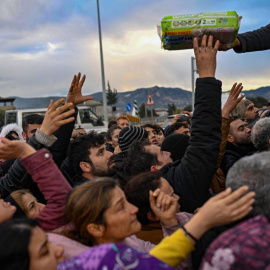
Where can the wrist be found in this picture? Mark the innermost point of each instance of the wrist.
(169, 222)
(207, 75)
(26, 152)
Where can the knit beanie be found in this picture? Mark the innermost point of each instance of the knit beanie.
(129, 134)
(240, 110)
(176, 144)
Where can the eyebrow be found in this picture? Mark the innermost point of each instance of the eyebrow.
(43, 245)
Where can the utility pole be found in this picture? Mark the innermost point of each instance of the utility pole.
(193, 70)
(102, 68)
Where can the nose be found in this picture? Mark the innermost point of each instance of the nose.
(57, 251)
(133, 209)
(108, 154)
(41, 206)
(248, 130)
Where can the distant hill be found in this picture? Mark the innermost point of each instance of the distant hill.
(161, 95)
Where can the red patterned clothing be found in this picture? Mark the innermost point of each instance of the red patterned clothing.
(246, 246)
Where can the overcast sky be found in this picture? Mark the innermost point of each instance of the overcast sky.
(45, 42)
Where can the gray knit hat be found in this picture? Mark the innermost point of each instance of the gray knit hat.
(241, 108)
(129, 134)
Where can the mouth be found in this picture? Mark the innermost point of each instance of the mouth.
(154, 142)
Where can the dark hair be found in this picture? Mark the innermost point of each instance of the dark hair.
(170, 130)
(150, 126)
(31, 119)
(139, 160)
(80, 149)
(137, 192)
(112, 123)
(15, 237)
(110, 132)
(87, 204)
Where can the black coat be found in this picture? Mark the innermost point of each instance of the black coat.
(234, 153)
(191, 177)
(257, 40)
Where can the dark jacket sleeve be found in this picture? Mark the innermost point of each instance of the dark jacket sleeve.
(257, 40)
(192, 177)
(63, 134)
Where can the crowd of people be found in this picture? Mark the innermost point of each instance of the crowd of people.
(194, 195)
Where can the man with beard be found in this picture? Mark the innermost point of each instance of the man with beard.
(238, 144)
(89, 158)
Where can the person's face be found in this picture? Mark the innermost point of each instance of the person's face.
(252, 112)
(31, 129)
(122, 123)
(115, 137)
(182, 130)
(43, 255)
(164, 157)
(160, 137)
(121, 218)
(32, 206)
(239, 133)
(7, 211)
(152, 135)
(101, 163)
(167, 189)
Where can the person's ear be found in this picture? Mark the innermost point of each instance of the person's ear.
(152, 217)
(155, 168)
(85, 167)
(24, 135)
(97, 231)
(230, 138)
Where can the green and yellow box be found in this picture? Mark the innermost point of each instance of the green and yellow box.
(177, 32)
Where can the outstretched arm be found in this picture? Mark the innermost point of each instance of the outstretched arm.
(192, 177)
(257, 40)
(222, 209)
(49, 179)
(218, 181)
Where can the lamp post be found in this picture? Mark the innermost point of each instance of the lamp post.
(102, 68)
(193, 70)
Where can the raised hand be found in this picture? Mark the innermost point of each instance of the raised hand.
(56, 117)
(222, 209)
(232, 100)
(190, 115)
(206, 57)
(75, 91)
(176, 117)
(14, 149)
(164, 207)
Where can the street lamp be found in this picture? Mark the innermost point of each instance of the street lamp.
(102, 67)
(193, 70)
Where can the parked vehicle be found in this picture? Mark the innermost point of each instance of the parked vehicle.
(86, 118)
